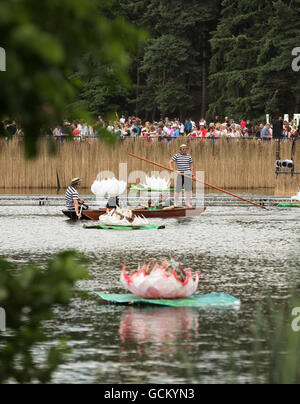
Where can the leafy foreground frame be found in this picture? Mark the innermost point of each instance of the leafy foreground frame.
(29, 296)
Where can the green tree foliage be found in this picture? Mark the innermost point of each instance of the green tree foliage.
(276, 343)
(45, 45)
(166, 67)
(251, 64)
(277, 87)
(246, 46)
(29, 296)
(210, 57)
(102, 91)
(169, 69)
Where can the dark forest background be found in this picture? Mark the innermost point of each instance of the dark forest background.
(202, 58)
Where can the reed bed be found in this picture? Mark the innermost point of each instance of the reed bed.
(227, 163)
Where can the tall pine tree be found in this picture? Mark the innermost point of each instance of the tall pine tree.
(277, 87)
(172, 68)
(251, 72)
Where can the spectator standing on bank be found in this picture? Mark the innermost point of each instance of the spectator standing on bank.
(135, 130)
(75, 131)
(79, 127)
(84, 131)
(123, 120)
(249, 128)
(266, 133)
(166, 130)
(91, 131)
(176, 131)
(294, 132)
(152, 130)
(188, 126)
(285, 133)
(277, 125)
(181, 129)
(202, 122)
(194, 127)
(226, 122)
(202, 131)
(243, 124)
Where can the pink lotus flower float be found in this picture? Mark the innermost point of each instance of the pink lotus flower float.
(168, 280)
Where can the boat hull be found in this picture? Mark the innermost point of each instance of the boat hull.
(111, 227)
(158, 213)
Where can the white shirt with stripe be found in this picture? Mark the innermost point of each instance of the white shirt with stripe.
(183, 162)
(71, 194)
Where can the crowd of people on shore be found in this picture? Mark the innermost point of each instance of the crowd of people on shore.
(12, 128)
(133, 127)
(170, 129)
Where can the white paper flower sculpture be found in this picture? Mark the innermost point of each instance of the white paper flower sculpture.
(122, 217)
(156, 183)
(108, 187)
(296, 197)
(167, 280)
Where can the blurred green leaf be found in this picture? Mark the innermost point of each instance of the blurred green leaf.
(29, 295)
(45, 47)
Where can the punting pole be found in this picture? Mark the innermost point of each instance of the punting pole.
(196, 179)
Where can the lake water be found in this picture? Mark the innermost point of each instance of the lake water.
(243, 251)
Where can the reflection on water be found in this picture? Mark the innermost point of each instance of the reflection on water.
(158, 325)
(245, 252)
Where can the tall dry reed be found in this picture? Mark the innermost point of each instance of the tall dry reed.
(227, 163)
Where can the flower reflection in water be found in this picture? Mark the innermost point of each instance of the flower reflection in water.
(158, 326)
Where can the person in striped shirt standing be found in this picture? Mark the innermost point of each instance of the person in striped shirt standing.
(185, 165)
(73, 202)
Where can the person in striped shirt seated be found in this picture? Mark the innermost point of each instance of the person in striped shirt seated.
(73, 202)
(184, 164)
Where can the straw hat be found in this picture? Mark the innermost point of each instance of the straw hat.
(183, 146)
(75, 181)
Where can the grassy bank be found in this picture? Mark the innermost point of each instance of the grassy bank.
(228, 163)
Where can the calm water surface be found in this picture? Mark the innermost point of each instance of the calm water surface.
(244, 251)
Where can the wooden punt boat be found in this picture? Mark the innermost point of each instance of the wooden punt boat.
(151, 213)
(112, 227)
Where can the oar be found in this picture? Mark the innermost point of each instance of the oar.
(195, 179)
(80, 213)
(81, 208)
